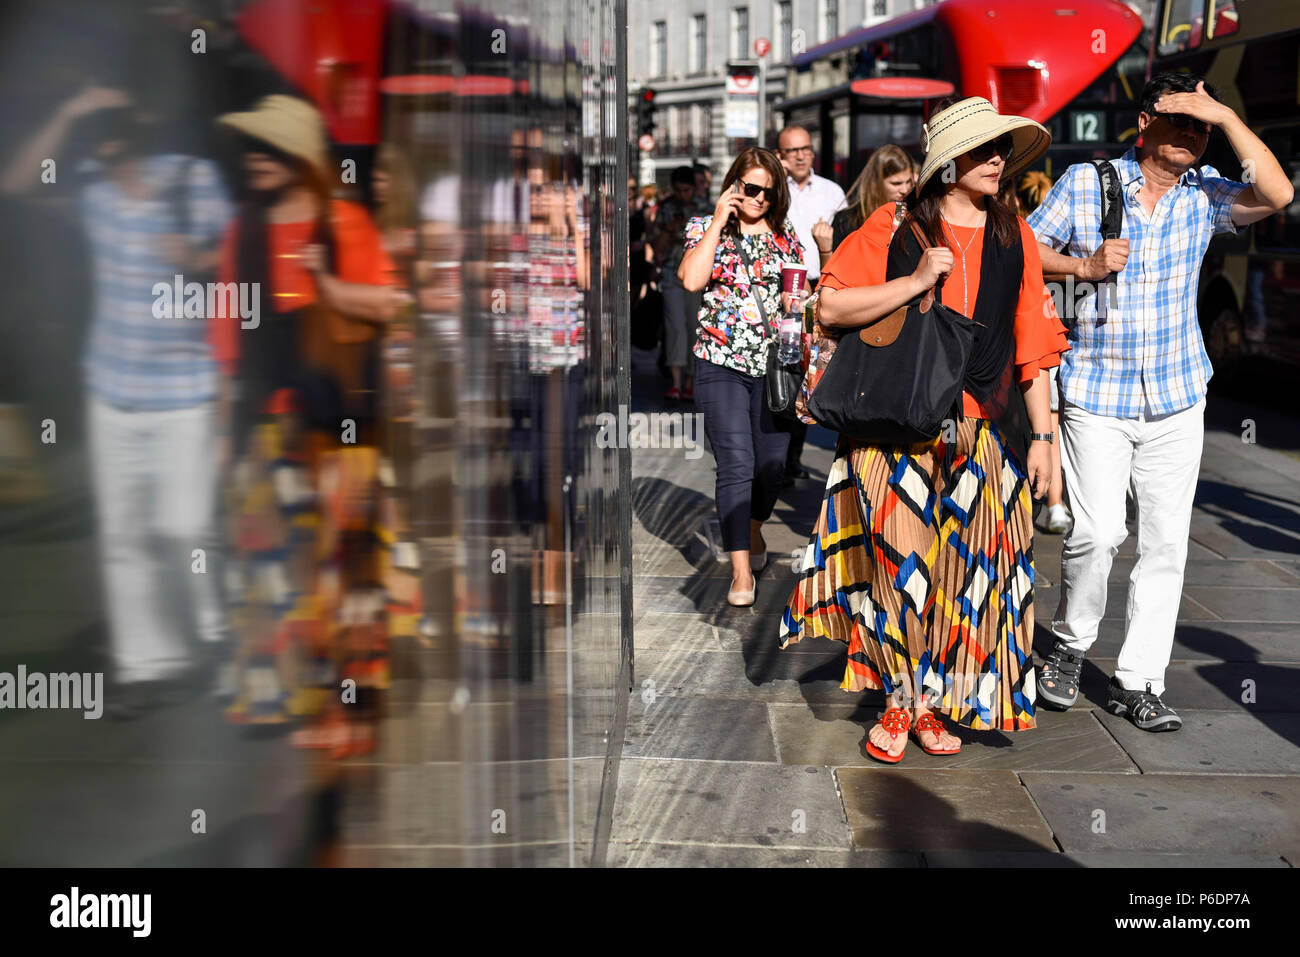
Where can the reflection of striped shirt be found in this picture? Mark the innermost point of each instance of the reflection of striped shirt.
(134, 360)
(1146, 350)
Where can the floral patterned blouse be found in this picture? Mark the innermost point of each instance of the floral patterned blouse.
(729, 329)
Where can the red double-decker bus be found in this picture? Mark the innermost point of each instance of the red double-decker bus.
(1074, 65)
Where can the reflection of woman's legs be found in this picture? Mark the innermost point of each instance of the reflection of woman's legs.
(677, 304)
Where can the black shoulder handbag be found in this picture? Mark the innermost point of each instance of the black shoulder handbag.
(782, 382)
(900, 377)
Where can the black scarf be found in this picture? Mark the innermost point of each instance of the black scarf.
(990, 373)
(268, 354)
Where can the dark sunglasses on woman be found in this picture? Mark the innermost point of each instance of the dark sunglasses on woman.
(251, 144)
(1001, 146)
(753, 189)
(1181, 121)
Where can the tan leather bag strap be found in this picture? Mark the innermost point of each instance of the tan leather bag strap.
(883, 331)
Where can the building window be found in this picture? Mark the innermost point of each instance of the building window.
(832, 19)
(879, 8)
(784, 29)
(740, 33)
(699, 43)
(659, 49)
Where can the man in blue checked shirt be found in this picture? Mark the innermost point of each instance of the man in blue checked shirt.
(149, 216)
(1133, 384)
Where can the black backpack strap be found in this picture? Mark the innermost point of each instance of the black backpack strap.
(1112, 205)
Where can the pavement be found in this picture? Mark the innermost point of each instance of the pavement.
(739, 754)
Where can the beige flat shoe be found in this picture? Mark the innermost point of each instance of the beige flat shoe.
(740, 598)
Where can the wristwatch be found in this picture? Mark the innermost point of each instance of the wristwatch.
(1047, 437)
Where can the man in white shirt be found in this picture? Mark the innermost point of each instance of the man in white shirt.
(813, 199)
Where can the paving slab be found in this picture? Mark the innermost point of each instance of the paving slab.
(1214, 742)
(133, 813)
(513, 729)
(1210, 641)
(1236, 603)
(1206, 813)
(542, 854)
(682, 633)
(1217, 572)
(1192, 861)
(733, 674)
(1208, 685)
(1073, 740)
(705, 855)
(716, 729)
(458, 804)
(1237, 538)
(902, 809)
(1292, 568)
(727, 804)
(706, 596)
(1016, 859)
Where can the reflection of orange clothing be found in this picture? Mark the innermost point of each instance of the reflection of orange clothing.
(359, 254)
(1039, 336)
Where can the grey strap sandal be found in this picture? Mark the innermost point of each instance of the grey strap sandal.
(1058, 679)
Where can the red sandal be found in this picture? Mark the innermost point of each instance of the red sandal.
(928, 722)
(896, 721)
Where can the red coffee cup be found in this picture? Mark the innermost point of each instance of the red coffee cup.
(793, 278)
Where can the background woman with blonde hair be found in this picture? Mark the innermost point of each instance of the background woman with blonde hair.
(887, 178)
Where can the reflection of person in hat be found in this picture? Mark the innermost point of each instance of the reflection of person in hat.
(323, 283)
(302, 248)
(931, 579)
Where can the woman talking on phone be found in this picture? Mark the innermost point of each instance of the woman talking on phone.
(735, 257)
(922, 560)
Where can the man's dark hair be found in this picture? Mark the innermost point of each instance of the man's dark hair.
(684, 175)
(1172, 82)
(701, 168)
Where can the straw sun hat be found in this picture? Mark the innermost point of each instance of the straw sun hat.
(289, 124)
(967, 124)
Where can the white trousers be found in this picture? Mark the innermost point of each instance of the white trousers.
(1102, 456)
(155, 476)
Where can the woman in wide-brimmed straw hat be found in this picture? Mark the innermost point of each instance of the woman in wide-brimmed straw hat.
(921, 560)
(317, 270)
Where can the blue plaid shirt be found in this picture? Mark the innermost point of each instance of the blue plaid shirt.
(134, 360)
(1145, 353)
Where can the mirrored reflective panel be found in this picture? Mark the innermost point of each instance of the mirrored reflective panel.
(302, 488)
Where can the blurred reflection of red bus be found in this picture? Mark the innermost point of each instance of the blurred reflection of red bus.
(1073, 65)
(1250, 284)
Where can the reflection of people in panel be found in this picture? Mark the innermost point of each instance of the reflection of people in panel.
(152, 221)
(324, 282)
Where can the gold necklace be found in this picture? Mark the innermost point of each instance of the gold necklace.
(957, 242)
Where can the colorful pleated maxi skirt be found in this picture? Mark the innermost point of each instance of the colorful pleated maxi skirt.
(929, 583)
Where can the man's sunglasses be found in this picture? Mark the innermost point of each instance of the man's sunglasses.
(796, 150)
(752, 190)
(1181, 121)
(1002, 146)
